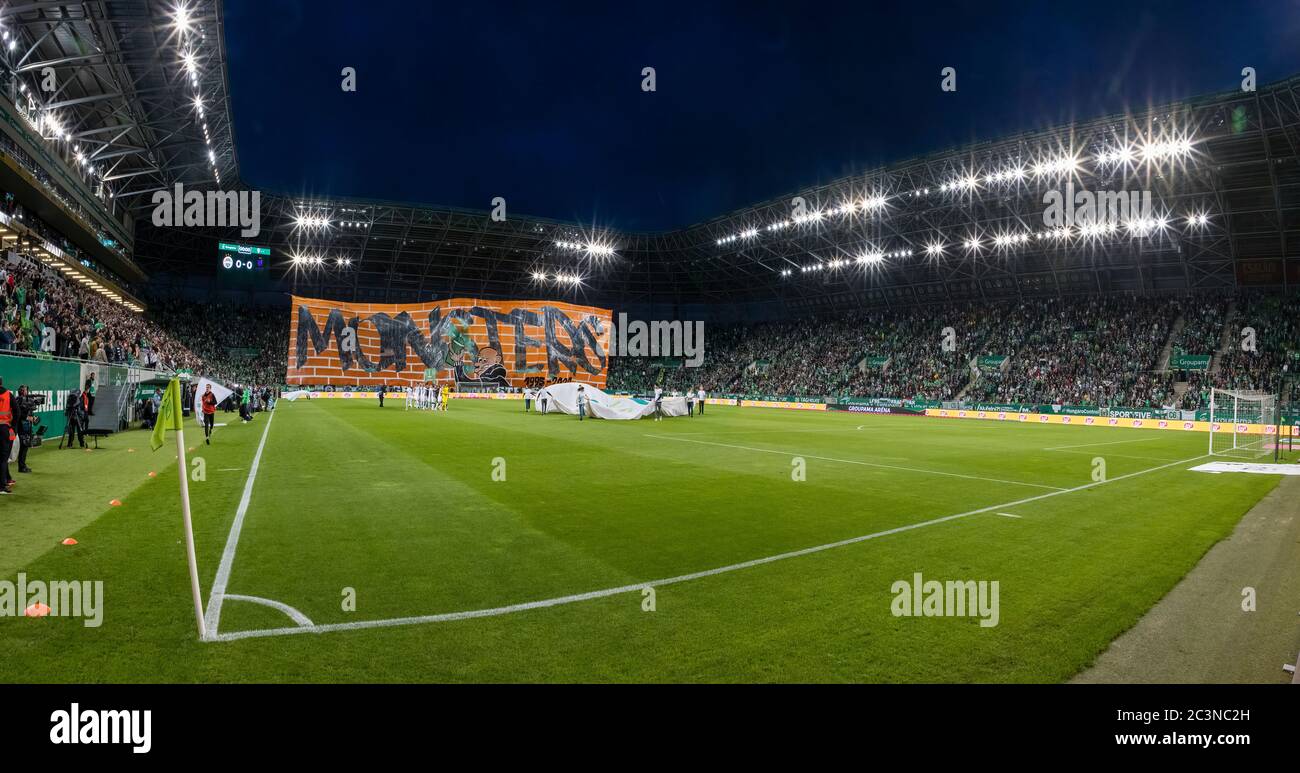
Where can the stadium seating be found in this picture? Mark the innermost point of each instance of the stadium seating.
(1105, 350)
(90, 327)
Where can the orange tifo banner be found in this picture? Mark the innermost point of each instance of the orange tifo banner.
(470, 342)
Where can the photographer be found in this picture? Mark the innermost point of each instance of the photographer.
(25, 423)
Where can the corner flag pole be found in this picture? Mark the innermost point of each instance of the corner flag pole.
(169, 417)
(182, 469)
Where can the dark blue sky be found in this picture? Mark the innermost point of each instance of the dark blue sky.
(541, 102)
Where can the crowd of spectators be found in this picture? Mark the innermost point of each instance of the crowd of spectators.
(1092, 350)
(1099, 350)
(37, 303)
(1254, 359)
(236, 344)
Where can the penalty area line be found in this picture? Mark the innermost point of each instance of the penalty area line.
(632, 588)
(860, 462)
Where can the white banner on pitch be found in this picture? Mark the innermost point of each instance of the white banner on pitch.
(1258, 469)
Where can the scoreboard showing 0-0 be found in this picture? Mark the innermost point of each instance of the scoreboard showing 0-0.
(243, 264)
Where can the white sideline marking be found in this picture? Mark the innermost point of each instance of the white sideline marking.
(213, 617)
(1109, 443)
(858, 461)
(293, 614)
(596, 594)
(1009, 515)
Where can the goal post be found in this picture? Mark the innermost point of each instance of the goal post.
(1237, 421)
(1288, 417)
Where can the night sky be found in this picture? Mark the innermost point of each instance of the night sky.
(541, 102)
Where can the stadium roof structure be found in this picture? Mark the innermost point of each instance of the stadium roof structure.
(139, 87)
(105, 102)
(1223, 172)
(142, 104)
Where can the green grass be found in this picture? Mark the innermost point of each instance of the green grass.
(402, 507)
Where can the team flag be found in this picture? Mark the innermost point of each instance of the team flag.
(169, 415)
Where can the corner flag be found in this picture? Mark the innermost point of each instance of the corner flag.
(170, 417)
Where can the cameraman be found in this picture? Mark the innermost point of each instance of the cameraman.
(75, 414)
(26, 421)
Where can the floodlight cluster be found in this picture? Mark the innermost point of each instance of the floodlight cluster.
(1008, 240)
(301, 260)
(310, 221)
(1047, 167)
(871, 204)
(591, 248)
(191, 38)
(558, 277)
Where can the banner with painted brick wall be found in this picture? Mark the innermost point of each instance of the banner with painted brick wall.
(474, 343)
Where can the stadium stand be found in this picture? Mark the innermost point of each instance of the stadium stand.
(86, 326)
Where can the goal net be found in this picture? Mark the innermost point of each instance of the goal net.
(1237, 420)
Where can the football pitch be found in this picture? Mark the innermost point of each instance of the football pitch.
(352, 543)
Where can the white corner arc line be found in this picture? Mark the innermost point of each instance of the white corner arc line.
(213, 616)
(293, 614)
(858, 461)
(597, 594)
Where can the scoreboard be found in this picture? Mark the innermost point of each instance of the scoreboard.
(243, 264)
(243, 257)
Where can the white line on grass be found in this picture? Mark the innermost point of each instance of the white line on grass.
(1108, 443)
(597, 594)
(293, 614)
(1009, 515)
(212, 618)
(857, 461)
(1110, 455)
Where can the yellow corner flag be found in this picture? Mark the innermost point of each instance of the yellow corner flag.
(169, 418)
(169, 415)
